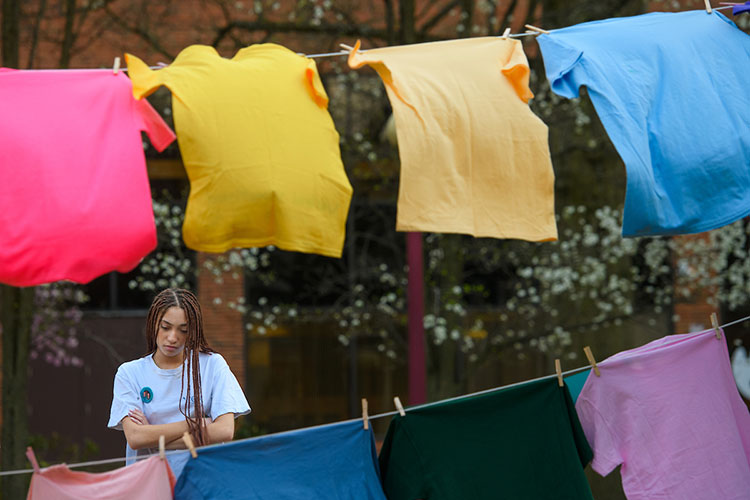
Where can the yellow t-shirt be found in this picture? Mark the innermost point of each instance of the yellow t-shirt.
(259, 147)
(474, 158)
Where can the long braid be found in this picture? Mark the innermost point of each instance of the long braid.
(194, 345)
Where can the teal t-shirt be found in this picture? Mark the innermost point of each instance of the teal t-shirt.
(523, 442)
(575, 383)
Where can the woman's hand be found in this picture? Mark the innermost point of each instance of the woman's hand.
(138, 417)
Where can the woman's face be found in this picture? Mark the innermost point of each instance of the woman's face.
(171, 335)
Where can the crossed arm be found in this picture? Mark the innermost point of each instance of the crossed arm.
(141, 434)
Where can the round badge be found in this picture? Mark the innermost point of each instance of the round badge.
(147, 394)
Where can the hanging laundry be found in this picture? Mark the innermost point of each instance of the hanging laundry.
(474, 158)
(149, 479)
(324, 462)
(670, 413)
(75, 201)
(259, 147)
(523, 442)
(674, 102)
(740, 8)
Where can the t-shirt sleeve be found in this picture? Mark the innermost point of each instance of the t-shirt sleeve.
(150, 122)
(560, 60)
(601, 437)
(315, 85)
(516, 70)
(357, 59)
(145, 80)
(124, 398)
(227, 395)
(401, 470)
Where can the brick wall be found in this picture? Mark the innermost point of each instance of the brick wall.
(693, 316)
(223, 326)
(692, 305)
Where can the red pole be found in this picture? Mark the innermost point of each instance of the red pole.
(415, 308)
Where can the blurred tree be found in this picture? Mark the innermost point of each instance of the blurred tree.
(15, 318)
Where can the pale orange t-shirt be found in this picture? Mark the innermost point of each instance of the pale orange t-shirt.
(474, 158)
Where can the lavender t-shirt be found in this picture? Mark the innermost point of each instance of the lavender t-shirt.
(670, 413)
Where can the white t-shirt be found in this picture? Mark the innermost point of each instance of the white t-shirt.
(155, 391)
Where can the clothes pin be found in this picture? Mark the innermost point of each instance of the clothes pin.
(558, 370)
(365, 418)
(162, 446)
(189, 443)
(32, 458)
(346, 47)
(708, 6)
(534, 28)
(116, 67)
(506, 33)
(399, 406)
(592, 361)
(715, 324)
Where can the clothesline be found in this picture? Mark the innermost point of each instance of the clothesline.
(373, 417)
(332, 54)
(124, 70)
(515, 35)
(311, 56)
(346, 52)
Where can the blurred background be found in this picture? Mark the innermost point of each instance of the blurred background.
(308, 336)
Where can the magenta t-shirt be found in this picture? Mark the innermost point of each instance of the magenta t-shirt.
(670, 413)
(75, 201)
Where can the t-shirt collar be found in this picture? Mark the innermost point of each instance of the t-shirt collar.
(164, 372)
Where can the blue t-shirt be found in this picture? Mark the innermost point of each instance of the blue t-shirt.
(325, 462)
(671, 91)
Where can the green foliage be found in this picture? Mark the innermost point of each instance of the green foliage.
(245, 429)
(55, 448)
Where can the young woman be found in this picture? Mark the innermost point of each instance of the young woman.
(180, 385)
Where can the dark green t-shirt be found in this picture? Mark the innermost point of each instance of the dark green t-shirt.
(523, 442)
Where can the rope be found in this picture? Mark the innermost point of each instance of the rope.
(346, 52)
(95, 462)
(374, 417)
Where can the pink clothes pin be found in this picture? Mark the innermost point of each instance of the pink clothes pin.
(75, 201)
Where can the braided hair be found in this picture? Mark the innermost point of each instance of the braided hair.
(194, 345)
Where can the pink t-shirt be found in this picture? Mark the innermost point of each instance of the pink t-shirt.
(150, 479)
(75, 201)
(670, 413)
